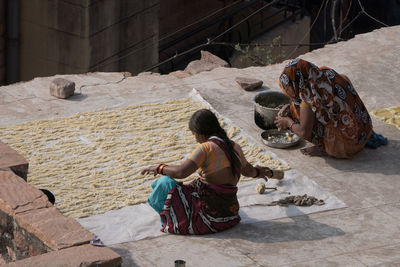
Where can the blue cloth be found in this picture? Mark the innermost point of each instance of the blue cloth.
(161, 188)
(376, 140)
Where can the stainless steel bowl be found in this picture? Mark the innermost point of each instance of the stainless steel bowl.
(266, 108)
(275, 138)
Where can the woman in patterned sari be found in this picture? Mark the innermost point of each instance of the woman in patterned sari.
(325, 110)
(208, 204)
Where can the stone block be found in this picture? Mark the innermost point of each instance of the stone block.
(211, 58)
(62, 88)
(17, 196)
(249, 84)
(16, 243)
(207, 62)
(9, 158)
(84, 255)
(197, 66)
(53, 229)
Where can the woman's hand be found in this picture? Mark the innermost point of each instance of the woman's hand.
(264, 172)
(283, 122)
(284, 110)
(151, 169)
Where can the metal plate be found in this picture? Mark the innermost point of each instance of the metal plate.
(278, 139)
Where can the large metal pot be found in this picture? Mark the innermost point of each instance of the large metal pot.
(266, 108)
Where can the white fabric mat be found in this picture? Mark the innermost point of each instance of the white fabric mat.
(141, 221)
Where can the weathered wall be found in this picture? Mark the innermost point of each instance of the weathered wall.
(67, 36)
(2, 41)
(16, 243)
(176, 15)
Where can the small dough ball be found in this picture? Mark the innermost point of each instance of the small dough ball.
(260, 188)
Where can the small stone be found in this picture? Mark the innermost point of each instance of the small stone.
(207, 62)
(249, 84)
(260, 188)
(62, 88)
(211, 58)
(198, 66)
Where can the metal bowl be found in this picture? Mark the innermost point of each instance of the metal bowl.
(266, 108)
(278, 139)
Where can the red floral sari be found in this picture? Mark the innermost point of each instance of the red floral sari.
(342, 123)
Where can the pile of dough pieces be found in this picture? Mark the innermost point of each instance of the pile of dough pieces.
(92, 161)
(389, 115)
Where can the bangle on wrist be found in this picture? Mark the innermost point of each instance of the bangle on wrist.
(257, 172)
(162, 168)
(159, 168)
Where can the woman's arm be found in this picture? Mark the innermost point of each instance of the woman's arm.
(305, 125)
(180, 171)
(256, 172)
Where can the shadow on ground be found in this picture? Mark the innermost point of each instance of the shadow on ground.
(383, 160)
(301, 228)
(126, 256)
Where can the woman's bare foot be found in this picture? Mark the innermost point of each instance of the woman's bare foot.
(313, 151)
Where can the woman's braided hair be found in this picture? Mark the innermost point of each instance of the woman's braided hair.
(206, 123)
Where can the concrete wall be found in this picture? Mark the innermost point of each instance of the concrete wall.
(71, 36)
(2, 41)
(177, 14)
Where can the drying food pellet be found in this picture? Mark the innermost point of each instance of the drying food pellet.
(260, 188)
(92, 161)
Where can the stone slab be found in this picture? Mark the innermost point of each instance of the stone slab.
(55, 230)
(9, 158)
(17, 196)
(33, 212)
(85, 255)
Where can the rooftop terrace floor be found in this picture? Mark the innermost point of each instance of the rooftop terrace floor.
(366, 233)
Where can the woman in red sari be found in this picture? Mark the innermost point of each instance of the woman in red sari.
(325, 110)
(209, 203)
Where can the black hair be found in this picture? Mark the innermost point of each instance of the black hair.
(205, 122)
(49, 195)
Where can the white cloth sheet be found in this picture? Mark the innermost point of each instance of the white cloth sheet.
(141, 221)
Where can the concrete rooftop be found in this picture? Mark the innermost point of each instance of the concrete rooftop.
(367, 233)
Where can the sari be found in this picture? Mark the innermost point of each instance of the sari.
(342, 124)
(196, 208)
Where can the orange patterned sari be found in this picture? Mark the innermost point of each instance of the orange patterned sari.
(342, 124)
